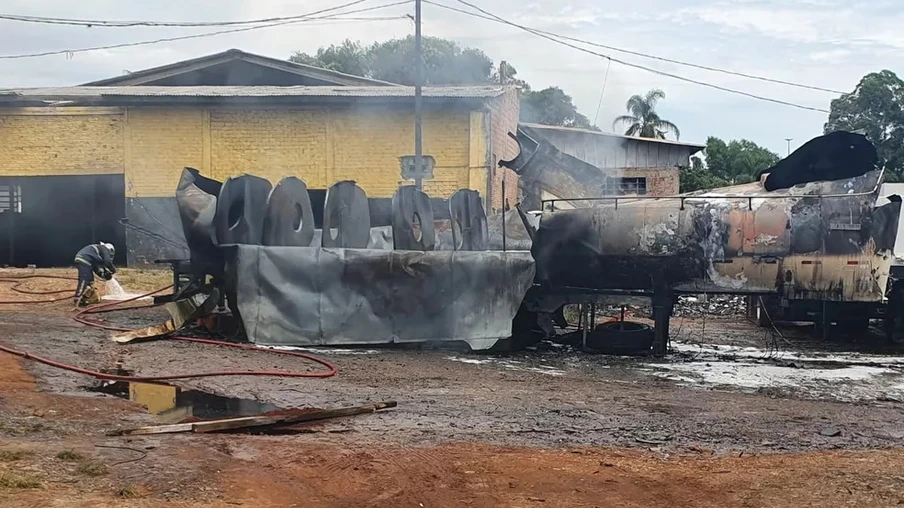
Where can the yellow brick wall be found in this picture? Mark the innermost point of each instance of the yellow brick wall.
(269, 143)
(159, 143)
(366, 144)
(319, 145)
(47, 141)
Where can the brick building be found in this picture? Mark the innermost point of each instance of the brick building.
(74, 161)
(575, 163)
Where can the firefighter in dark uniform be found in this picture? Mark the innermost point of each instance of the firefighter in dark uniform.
(93, 259)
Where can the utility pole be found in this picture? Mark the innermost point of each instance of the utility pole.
(789, 144)
(418, 106)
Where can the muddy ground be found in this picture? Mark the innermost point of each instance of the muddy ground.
(735, 416)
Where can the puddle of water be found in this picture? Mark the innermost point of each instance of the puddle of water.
(845, 377)
(510, 365)
(170, 404)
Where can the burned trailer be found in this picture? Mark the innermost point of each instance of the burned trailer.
(289, 284)
(827, 242)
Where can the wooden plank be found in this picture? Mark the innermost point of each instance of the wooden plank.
(235, 423)
(155, 429)
(245, 422)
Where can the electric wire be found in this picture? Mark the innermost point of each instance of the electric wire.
(102, 23)
(650, 56)
(641, 67)
(308, 19)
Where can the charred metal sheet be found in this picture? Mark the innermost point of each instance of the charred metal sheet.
(542, 167)
(358, 296)
(289, 219)
(835, 156)
(240, 210)
(412, 220)
(196, 197)
(346, 216)
(624, 248)
(469, 221)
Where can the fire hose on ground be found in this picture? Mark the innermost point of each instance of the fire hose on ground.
(80, 317)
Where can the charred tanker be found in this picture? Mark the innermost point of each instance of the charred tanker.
(818, 235)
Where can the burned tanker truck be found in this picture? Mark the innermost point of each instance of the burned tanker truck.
(807, 237)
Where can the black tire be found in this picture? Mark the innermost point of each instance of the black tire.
(621, 337)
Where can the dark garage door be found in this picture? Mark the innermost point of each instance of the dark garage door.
(45, 220)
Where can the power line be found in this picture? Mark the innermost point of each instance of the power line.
(654, 57)
(332, 17)
(121, 24)
(634, 65)
(602, 91)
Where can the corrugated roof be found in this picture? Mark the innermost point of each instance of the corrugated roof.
(451, 92)
(540, 126)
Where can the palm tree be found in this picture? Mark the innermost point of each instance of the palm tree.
(643, 120)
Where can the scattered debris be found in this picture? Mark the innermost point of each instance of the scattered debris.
(280, 418)
(93, 468)
(830, 432)
(9, 481)
(70, 456)
(12, 456)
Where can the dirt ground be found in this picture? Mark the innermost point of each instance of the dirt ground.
(731, 418)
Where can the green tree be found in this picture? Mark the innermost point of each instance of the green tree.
(643, 121)
(552, 106)
(348, 57)
(445, 63)
(875, 107)
(697, 177)
(737, 161)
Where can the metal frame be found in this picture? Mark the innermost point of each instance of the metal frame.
(684, 198)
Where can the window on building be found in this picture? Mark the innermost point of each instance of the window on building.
(10, 198)
(625, 186)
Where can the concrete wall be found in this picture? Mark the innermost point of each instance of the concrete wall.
(150, 146)
(657, 161)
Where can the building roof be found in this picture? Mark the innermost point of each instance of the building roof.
(112, 95)
(197, 66)
(543, 127)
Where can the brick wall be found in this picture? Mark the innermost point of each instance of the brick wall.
(366, 144)
(47, 141)
(269, 143)
(504, 113)
(159, 143)
(660, 181)
(322, 146)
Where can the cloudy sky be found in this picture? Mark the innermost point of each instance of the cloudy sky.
(826, 43)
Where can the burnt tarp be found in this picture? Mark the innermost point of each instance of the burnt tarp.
(306, 296)
(835, 156)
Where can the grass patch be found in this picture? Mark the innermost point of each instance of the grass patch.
(9, 481)
(11, 456)
(70, 456)
(93, 468)
(129, 492)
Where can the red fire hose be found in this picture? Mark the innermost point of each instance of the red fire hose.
(108, 307)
